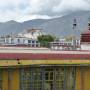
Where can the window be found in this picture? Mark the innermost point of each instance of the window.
(37, 79)
(29, 41)
(70, 74)
(37, 45)
(47, 78)
(25, 79)
(31, 79)
(33, 41)
(36, 41)
(60, 79)
(33, 45)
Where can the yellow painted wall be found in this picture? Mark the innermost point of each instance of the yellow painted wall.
(14, 63)
(5, 80)
(78, 81)
(13, 83)
(83, 78)
(15, 80)
(87, 79)
(80, 78)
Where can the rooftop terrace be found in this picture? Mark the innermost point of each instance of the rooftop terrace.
(41, 54)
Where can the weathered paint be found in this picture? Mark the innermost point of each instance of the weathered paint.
(5, 80)
(78, 79)
(15, 80)
(83, 78)
(82, 73)
(10, 82)
(87, 78)
(8, 63)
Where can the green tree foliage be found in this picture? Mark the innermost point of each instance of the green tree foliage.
(45, 40)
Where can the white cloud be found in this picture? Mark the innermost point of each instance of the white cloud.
(20, 17)
(4, 3)
(40, 6)
(21, 10)
(72, 5)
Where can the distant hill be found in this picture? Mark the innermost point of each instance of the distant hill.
(61, 26)
(16, 27)
(33, 23)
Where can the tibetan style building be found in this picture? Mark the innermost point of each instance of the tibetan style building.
(43, 69)
(85, 39)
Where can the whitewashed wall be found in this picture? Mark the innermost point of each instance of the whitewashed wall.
(85, 46)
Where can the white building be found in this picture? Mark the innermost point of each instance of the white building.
(62, 44)
(29, 38)
(31, 33)
(85, 39)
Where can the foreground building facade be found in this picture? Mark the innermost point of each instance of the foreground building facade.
(28, 69)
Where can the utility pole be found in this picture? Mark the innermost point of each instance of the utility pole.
(75, 30)
(89, 23)
(74, 24)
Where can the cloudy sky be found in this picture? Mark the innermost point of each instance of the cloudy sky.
(22, 10)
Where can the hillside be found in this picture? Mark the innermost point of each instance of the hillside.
(61, 26)
(16, 27)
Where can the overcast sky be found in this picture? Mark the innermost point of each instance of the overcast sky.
(22, 10)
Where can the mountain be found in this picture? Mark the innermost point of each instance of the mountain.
(61, 26)
(33, 23)
(16, 27)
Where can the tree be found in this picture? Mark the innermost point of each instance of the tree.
(45, 40)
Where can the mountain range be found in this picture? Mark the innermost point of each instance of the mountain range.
(60, 26)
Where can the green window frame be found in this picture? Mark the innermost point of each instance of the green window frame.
(47, 78)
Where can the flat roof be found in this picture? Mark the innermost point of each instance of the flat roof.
(39, 50)
(26, 53)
